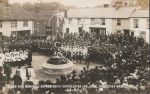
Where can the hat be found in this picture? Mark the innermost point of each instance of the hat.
(93, 86)
(76, 77)
(115, 76)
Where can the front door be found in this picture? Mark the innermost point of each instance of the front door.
(132, 33)
(23, 33)
(126, 32)
(67, 30)
(13, 33)
(101, 31)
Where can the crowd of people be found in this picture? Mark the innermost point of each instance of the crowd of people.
(18, 58)
(86, 82)
(123, 61)
(77, 54)
(22, 74)
(126, 58)
(96, 39)
(35, 44)
(105, 48)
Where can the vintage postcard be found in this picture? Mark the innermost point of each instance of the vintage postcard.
(74, 47)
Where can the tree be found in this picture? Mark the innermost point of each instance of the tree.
(45, 6)
(143, 3)
(29, 6)
(15, 4)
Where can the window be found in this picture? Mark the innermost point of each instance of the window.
(13, 23)
(97, 21)
(148, 23)
(136, 23)
(143, 35)
(80, 31)
(118, 22)
(102, 31)
(103, 21)
(1, 24)
(36, 30)
(132, 33)
(70, 21)
(13, 33)
(25, 23)
(92, 21)
(67, 30)
(79, 21)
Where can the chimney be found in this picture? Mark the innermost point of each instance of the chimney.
(106, 5)
(118, 5)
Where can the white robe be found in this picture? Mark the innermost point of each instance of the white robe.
(2, 59)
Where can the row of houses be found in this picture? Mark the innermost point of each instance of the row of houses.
(44, 20)
(16, 21)
(127, 20)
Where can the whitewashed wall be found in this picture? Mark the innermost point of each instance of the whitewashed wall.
(73, 28)
(125, 24)
(6, 27)
(142, 27)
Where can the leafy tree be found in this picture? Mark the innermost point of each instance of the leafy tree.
(29, 6)
(143, 3)
(45, 6)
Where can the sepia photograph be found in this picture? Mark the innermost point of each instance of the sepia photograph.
(74, 47)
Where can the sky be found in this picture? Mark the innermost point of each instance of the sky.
(78, 3)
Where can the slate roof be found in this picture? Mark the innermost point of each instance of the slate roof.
(14, 13)
(124, 12)
(140, 14)
(41, 15)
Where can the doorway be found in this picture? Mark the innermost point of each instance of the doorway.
(23, 33)
(126, 32)
(101, 31)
